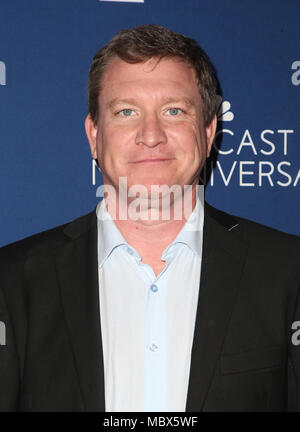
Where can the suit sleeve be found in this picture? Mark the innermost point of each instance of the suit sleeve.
(9, 370)
(9, 364)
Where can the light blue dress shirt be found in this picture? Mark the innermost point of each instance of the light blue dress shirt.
(148, 321)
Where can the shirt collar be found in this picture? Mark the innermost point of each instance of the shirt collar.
(109, 237)
(191, 233)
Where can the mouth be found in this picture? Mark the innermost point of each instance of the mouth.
(152, 160)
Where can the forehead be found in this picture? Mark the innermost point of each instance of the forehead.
(168, 74)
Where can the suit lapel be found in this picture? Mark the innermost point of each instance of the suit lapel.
(78, 276)
(222, 266)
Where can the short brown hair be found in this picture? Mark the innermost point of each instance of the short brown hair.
(150, 40)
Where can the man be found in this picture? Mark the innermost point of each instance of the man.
(127, 309)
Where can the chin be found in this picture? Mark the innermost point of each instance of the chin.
(147, 183)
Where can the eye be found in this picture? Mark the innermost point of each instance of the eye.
(125, 112)
(175, 111)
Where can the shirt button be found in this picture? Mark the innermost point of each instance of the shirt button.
(153, 347)
(153, 288)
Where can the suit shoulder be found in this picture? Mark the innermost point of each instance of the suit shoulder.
(256, 233)
(42, 242)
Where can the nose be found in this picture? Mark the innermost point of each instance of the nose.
(150, 132)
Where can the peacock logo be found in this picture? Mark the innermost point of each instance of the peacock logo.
(224, 113)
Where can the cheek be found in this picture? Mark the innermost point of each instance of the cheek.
(180, 154)
(114, 148)
(188, 143)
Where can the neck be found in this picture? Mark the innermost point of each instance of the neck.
(152, 232)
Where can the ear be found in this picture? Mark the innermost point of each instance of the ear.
(91, 132)
(210, 134)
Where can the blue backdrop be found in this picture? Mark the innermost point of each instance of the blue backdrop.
(46, 49)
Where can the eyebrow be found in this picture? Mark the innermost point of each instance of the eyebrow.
(116, 101)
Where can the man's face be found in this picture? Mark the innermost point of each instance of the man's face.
(150, 125)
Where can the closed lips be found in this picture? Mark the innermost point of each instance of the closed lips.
(151, 160)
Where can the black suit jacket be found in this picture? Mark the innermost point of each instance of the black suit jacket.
(242, 356)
